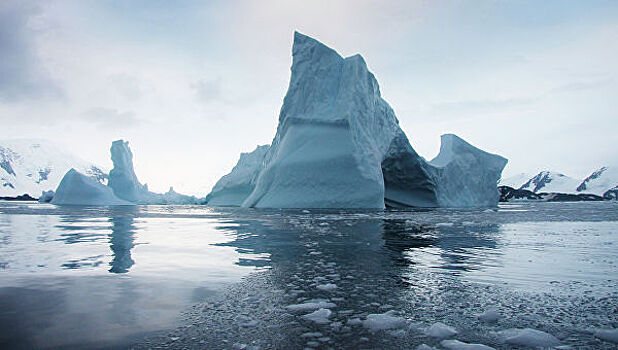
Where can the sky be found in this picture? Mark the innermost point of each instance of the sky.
(191, 84)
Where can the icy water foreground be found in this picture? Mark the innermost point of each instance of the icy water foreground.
(203, 278)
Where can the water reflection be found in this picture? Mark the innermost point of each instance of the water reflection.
(122, 238)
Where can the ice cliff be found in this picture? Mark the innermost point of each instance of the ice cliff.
(339, 145)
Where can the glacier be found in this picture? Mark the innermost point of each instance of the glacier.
(339, 145)
(76, 188)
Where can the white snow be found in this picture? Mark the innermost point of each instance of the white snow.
(600, 181)
(529, 337)
(516, 181)
(458, 345)
(610, 335)
(387, 320)
(339, 145)
(440, 330)
(320, 316)
(549, 181)
(79, 189)
(33, 166)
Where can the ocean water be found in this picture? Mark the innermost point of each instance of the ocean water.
(200, 277)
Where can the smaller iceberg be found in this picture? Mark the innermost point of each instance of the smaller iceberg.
(233, 188)
(79, 189)
(123, 187)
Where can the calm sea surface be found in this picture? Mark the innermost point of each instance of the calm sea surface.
(200, 277)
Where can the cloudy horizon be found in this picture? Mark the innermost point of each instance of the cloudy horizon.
(190, 84)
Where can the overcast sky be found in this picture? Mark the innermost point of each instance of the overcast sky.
(190, 84)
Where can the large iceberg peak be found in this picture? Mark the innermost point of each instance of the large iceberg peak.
(339, 145)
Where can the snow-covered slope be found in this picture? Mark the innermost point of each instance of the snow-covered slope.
(516, 181)
(233, 188)
(79, 189)
(33, 166)
(339, 145)
(548, 181)
(600, 181)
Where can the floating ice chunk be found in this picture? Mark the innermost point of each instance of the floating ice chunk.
(311, 305)
(490, 316)
(387, 320)
(458, 345)
(79, 189)
(529, 337)
(320, 316)
(444, 224)
(328, 287)
(440, 330)
(311, 335)
(425, 347)
(354, 322)
(610, 335)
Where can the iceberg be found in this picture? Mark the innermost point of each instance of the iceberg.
(339, 145)
(123, 187)
(122, 178)
(233, 188)
(76, 188)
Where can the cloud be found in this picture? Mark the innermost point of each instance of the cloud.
(207, 90)
(22, 75)
(111, 118)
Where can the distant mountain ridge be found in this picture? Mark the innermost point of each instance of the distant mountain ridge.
(601, 182)
(30, 166)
